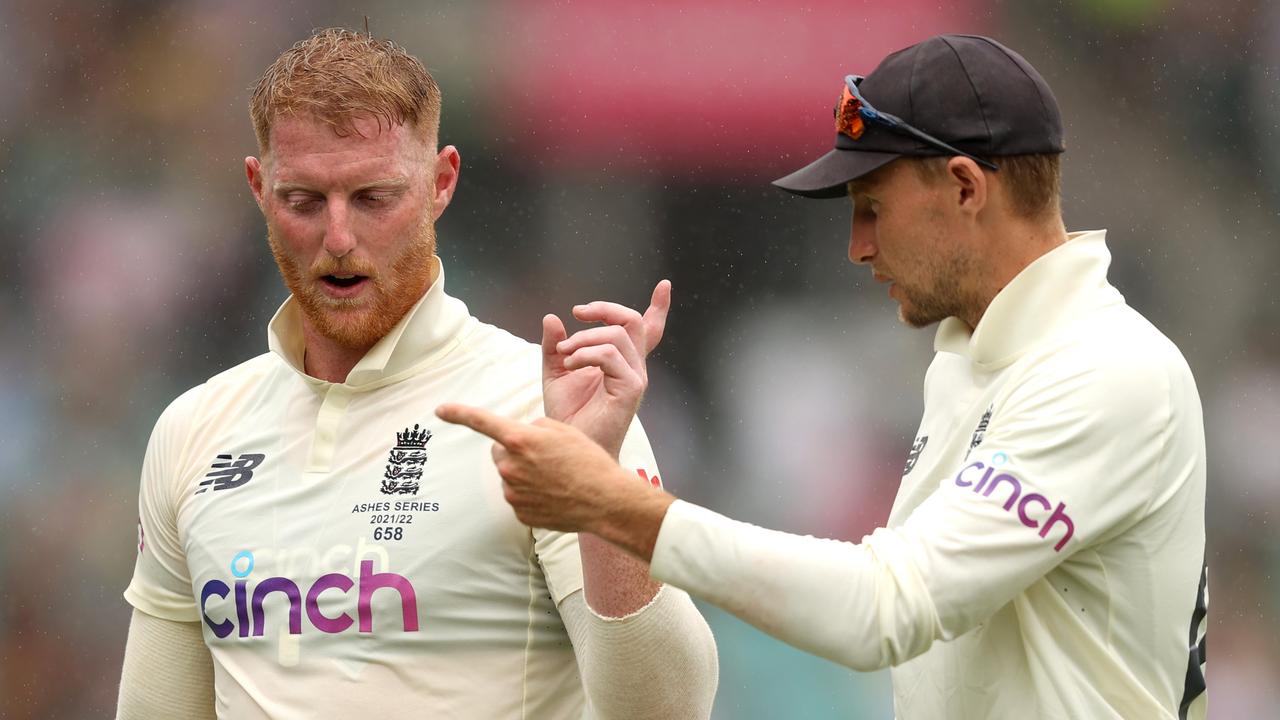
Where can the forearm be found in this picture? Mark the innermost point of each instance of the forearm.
(659, 662)
(627, 514)
(615, 567)
(167, 671)
(614, 582)
(864, 606)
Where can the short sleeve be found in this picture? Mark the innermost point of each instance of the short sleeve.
(558, 552)
(161, 584)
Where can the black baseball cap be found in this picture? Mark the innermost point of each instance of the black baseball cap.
(966, 91)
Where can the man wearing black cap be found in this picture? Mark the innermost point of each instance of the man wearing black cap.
(1045, 553)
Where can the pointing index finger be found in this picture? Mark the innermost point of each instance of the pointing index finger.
(478, 419)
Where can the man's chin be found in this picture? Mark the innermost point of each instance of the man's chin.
(913, 318)
(907, 319)
(348, 323)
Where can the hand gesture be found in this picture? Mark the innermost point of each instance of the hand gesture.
(556, 477)
(552, 474)
(594, 380)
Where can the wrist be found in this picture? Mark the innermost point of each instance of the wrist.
(610, 441)
(631, 514)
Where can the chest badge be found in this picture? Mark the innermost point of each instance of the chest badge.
(916, 448)
(980, 432)
(405, 462)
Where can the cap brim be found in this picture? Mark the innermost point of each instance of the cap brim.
(825, 177)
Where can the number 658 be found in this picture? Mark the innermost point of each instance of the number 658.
(388, 533)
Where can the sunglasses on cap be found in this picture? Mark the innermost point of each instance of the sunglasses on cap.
(852, 110)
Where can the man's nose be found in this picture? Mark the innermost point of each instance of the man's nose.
(339, 238)
(862, 246)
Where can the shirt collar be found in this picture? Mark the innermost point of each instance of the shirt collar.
(1052, 289)
(429, 330)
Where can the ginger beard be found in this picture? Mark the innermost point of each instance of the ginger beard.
(362, 321)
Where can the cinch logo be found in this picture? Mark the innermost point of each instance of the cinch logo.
(251, 617)
(987, 484)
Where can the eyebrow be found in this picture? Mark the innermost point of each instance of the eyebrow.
(393, 183)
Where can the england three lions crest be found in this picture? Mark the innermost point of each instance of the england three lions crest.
(405, 463)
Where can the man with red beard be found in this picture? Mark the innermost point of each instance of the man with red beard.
(312, 540)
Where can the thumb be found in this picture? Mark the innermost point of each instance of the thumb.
(655, 318)
(552, 333)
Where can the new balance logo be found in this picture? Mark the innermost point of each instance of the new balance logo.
(228, 474)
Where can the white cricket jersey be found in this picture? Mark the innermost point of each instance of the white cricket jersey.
(1044, 557)
(347, 553)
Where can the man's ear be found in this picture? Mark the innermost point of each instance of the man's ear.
(968, 183)
(447, 166)
(254, 173)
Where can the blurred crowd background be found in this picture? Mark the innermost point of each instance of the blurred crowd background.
(605, 145)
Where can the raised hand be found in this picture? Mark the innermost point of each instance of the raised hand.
(595, 379)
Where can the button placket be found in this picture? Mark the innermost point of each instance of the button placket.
(325, 440)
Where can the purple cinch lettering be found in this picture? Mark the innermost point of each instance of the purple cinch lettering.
(219, 588)
(1013, 481)
(242, 608)
(290, 589)
(317, 618)
(983, 482)
(1022, 508)
(960, 481)
(1059, 514)
(370, 581)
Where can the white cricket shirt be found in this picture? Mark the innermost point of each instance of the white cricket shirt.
(347, 553)
(1044, 557)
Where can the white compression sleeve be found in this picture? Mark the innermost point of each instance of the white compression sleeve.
(167, 672)
(658, 662)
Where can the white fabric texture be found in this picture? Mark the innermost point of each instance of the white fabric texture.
(667, 642)
(167, 671)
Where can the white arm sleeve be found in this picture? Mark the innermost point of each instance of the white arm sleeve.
(167, 672)
(1074, 460)
(659, 662)
(864, 606)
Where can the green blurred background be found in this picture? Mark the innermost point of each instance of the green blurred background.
(606, 145)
